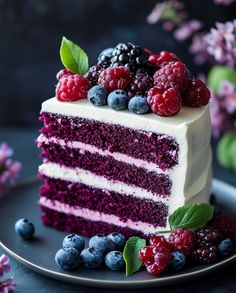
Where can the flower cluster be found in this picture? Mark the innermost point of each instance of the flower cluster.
(7, 285)
(9, 169)
(224, 2)
(223, 109)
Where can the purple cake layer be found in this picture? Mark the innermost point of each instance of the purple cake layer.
(108, 167)
(152, 147)
(63, 222)
(108, 202)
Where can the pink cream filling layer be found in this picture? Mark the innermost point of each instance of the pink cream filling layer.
(97, 216)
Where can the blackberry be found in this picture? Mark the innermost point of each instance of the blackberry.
(131, 56)
(93, 74)
(140, 85)
(205, 255)
(104, 58)
(207, 236)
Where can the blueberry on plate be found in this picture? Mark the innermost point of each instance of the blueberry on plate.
(118, 239)
(118, 100)
(97, 95)
(102, 242)
(25, 229)
(138, 105)
(114, 260)
(91, 257)
(225, 247)
(74, 241)
(68, 258)
(178, 260)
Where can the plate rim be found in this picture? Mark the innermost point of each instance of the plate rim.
(176, 278)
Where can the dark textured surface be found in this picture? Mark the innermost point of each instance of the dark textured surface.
(30, 282)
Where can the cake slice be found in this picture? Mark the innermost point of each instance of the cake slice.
(107, 171)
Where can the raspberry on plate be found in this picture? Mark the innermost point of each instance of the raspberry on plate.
(172, 75)
(162, 259)
(72, 88)
(114, 78)
(197, 94)
(226, 225)
(183, 240)
(63, 73)
(160, 241)
(146, 255)
(164, 102)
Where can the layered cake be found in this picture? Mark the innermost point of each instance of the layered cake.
(106, 170)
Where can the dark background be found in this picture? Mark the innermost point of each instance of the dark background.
(30, 36)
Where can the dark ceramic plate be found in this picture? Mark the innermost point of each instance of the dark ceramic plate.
(20, 202)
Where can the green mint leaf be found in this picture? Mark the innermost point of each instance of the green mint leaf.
(191, 216)
(226, 150)
(73, 57)
(132, 247)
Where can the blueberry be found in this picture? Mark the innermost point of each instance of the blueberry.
(106, 52)
(74, 241)
(97, 95)
(138, 105)
(178, 260)
(102, 242)
(225, 247)
(68, 258)
(118, 239)
(24, 228)
(118, 100)
(114, 261)
(92, 257)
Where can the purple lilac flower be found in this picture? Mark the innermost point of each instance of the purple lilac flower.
(228, 94)
(5, 152)
(8, 285)
(187, 29)
(224, 2)
(4, 264)
(198, 49)
(226, 88)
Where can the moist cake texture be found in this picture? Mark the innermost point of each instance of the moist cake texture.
(107, 171)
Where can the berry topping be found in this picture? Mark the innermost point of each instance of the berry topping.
(162, 259)
(183, 240)
(68, 258)
(225, 247)
(205, 255)
(131, 56)
(146, 255)
(114, 261)
(91, 257)
(72, 88)
(164, 102)
(226, 225)
(172, 75)
(160, 241)
(118, 100)
(138, 105)
(25, 229)
(104, 58)
(74, 241)
(140, 85)
(162, 57)
(197, 94)
(63, 73)
(207, 236)
(102, 242)
(97, 95)
(115, 78)
(118, 239)
(92, 74)
(178, 260)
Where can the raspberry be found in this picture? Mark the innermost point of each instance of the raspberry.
(162, 259)
(205, 255)
(197, 94)
(172, 74)
(226, 225)
(115, 78)
(93, 74)
(207, 236)
(140, 85)
(63, 73)
(164, 56)
(164, 102)
(182, 239)
(72, 88)
(146, 255)
(160, 241)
